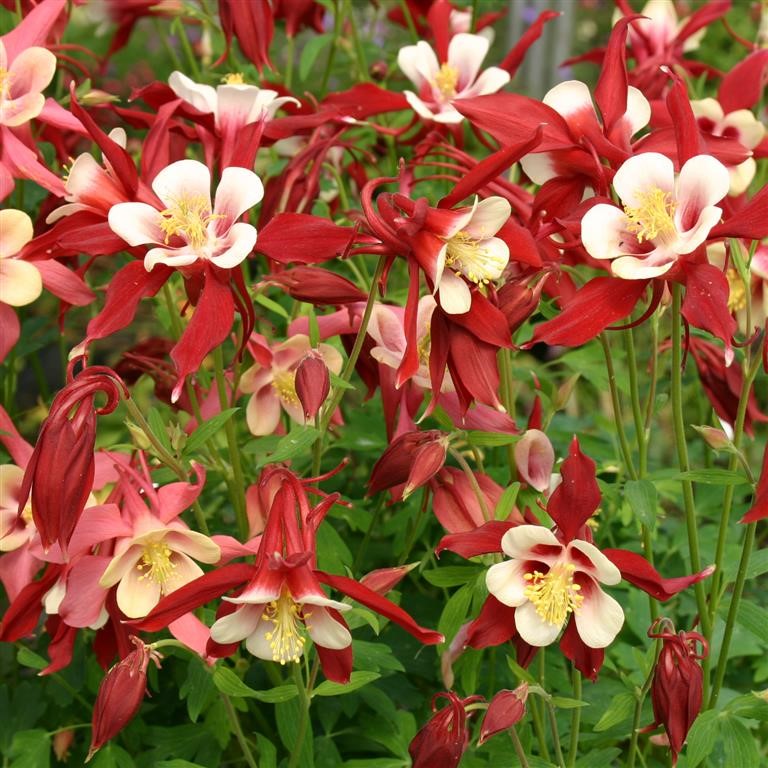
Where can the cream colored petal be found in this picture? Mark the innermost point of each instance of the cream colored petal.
(599, 619)
(326, 631)
(641, 174)
(533, 629)
(136, 596)
(15, 231)
(237, 625)
(517, 542)
(454, 294)
(506, 582)
(32, 71)
(20, 282)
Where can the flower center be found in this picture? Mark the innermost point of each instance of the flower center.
(188, 217)
(284, 384)
(466, 255)
(737, 295)
(424, 346)
(156, 564)
(446, 80)
(554, 594)
(653, 217)
(233, 78)
(285, 640)
(5, 83)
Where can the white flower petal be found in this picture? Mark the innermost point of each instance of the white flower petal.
(184, 179)
(532, 628)
(703, 181)
(638, 113)
(600, 617)
(689, 241)
(539, 167)
(489, 217)
(454, 294)
(239, 241)
(506, 582)
(171, 257)
(237, 625)
(641, 174)
(569, 98)
(201, 97)
(466, 53)
(603, 229)
(257, 642)
(136, 223)
(238, 191)
(603, 569)
(518, 542)
(418, 63)
(325, 631)
(491, 80)
(419, 107)
(634, 268)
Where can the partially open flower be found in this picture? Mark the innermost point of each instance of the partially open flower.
(663, 216)
(440, 84)
(188, 228)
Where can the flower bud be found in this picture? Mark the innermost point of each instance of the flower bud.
(535, 458)
(312, 384)
(506, 709)
(384, 579)
(62, 741)
(317, 286)
(120, 695)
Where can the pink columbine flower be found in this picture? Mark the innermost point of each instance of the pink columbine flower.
(546, 580)
(441, 83)
(233, 104)
(187, 228)
(272, 381)
(664, 215)
(659, 27)
(22, 82)
(154, 562)
(20, 281)
(741, 125)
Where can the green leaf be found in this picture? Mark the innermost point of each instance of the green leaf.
(565, 703)
(750, 705)
(701, 738)
(599, 758)
(273, 306)
(231, 685)
(506, 502)
(311, 51)
(739, 745)
(28, 658)
(267, 752)
(455, 611)
(196, 688)
(287, 715)
(338, 382)
(642, 498)
(32, 749)
(758, 564)
(208, 429)
(619, 710)
(158, 426)
(295, 443)
(712, 477)
(452, 575)
(178, 763)
(491, 439)
(520, 672)
(357, 680)
(753, 618)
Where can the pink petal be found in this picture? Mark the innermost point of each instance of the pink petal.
(16, 112)
(263, 412)
(535, 457)
(31, 71)
(85, 597)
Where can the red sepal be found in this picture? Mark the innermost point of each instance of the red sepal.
(299, 238)
(587, 660)
(495, 625)
(481, 541)
(23, 613)
(759, 510)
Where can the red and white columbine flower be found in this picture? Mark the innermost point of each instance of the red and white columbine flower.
(547, 581)
(440, 84)
(187, 228)
(664, 215)
(22, 81)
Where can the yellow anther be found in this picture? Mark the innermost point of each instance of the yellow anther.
(467, 257)
(554, 594)
(188, 217)
(284, 383)
(446, 80)
(5, 83)
(424, 347)
(653, 218)
(156, 564)
(737, 294)
(233, 78)
(285, 640)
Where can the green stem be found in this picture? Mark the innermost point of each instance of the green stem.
(519, 751)
(305, 702)
(634, 749)
(362, 64)
(238, 482)
(331, 50)
(187, 47)
(411, 539)
(367, 537)
(538, 727)
(682, 457)
(290, 48)
(573, 747)
(238, 730)
(409, 21)
(473, 22)
(162, 454)
(555, 734)
(616, 403)
(653, 375)
(730, 622)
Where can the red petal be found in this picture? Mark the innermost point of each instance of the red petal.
(23, 613)
(364, 100)
(303, 239)
(742, 87)
(495, 625)
(481, 541)
(515, 57)
(759, 510)
(587, 660)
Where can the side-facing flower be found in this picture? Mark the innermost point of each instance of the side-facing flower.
(22, 81)
(676, 690)
(439, 84)
(664, 216)
(187, 228)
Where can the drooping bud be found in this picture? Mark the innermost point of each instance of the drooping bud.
(317, 286)
(443, 740)
(412, 458)
(506, 709)
(384, 579)
(312, 383)
(535, 458)
(120, 695)
(60, 472)
(676, 690)
(62, 742)
(715, 438)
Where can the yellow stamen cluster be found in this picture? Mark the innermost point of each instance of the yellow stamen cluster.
(446, 80)
(424, 347)
(284, 383)
(189, 218)
(285, 640)
(554, 594)
(5, 82)
(653, 218)
(233, 78)
(466, 256)
(737, 295)
(156, 564)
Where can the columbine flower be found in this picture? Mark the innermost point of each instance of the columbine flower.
(547, 581)
(440, 84)
(20, 281)
(272, 380)
(663, 216)
(187, 228)
(22, 82)
(741, 125)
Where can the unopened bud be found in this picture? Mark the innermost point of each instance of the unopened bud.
(138, 436)
(384, 579)
(506, 709)
(535, 458)
(378, 70)
(62, 741)
(715, 438)
(312, 384)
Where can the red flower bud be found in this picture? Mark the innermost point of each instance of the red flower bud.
(676, 690)
(120, 695)
(317, 286)
(59, 474)
(312, 383)
(506, 709)
(413, 458)
(384, 579)
(62, 741)
(442, 741)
